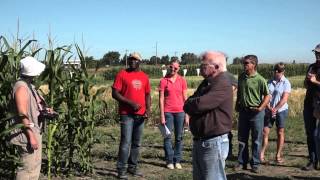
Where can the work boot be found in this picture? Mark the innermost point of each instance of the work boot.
(135, 172)
(309, 167)
(255, 169)
(239, 167)
(122, 175)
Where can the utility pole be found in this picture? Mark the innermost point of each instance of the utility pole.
(156, 52)
(126, 58)
(175, 53)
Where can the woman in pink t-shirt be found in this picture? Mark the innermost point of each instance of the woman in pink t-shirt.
(172, 94)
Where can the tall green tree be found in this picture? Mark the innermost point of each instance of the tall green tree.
(124, 60)
(189, 58)
(237, 60)
(154, 60)
(111, 58)
(91, 62)
(164, 59)
(174, 58)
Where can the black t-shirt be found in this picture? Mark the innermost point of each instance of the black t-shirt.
(312, 89)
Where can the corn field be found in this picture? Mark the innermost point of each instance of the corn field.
(67, 140)
(81, 104)
(264, 69)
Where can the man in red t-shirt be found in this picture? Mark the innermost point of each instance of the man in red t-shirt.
(131, 88)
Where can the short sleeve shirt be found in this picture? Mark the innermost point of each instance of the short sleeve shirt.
(133, 85)
(312, 89)
(173, 93)
(233, 80)
(277, 88)
(251, 90)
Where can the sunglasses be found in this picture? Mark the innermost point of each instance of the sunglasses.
(247, 62)
(175, 68)
(216, 66)
(278, 71)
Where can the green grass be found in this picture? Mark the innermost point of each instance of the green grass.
(296, 81)
(107, 137)
(152, 154)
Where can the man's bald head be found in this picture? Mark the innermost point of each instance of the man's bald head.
(215, 57)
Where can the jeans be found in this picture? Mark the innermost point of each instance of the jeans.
(254, 121)
(174, 121)
(131, 133)
(208, 158)
(310, 126)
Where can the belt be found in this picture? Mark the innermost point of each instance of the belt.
(249, 108)
(207, 137)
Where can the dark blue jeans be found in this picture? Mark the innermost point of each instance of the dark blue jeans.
(254, 121)
(131, 133)
(310, 126)
(174, 122)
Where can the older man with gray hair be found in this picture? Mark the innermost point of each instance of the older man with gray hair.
(210, 109)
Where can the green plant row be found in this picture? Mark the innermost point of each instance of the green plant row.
(264, 69)
(67, 140)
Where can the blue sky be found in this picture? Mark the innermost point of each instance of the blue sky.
(274, 30)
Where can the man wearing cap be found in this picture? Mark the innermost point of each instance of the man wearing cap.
(131, 88)
(29, 140)
(310, 83)
(252, 98)
(210, 111)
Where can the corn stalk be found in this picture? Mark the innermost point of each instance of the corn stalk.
(53, 76)
(10, 56)
(69, 139)
(80, 116)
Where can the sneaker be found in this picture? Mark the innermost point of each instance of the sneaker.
(135, 172)
(178, 166)
(310, 166)
(122, 175)
(255, 169)
(170, 166)
(239, 167)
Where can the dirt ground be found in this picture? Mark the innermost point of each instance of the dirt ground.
(153, 167)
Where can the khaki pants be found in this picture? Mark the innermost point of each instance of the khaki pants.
(30, 162)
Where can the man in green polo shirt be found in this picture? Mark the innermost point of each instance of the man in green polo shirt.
(252, 98)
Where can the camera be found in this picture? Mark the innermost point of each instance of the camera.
(45, 114)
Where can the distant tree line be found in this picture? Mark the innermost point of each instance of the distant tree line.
(112, 58)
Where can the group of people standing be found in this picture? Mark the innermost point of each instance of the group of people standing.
(208, 113)
(260, 104)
